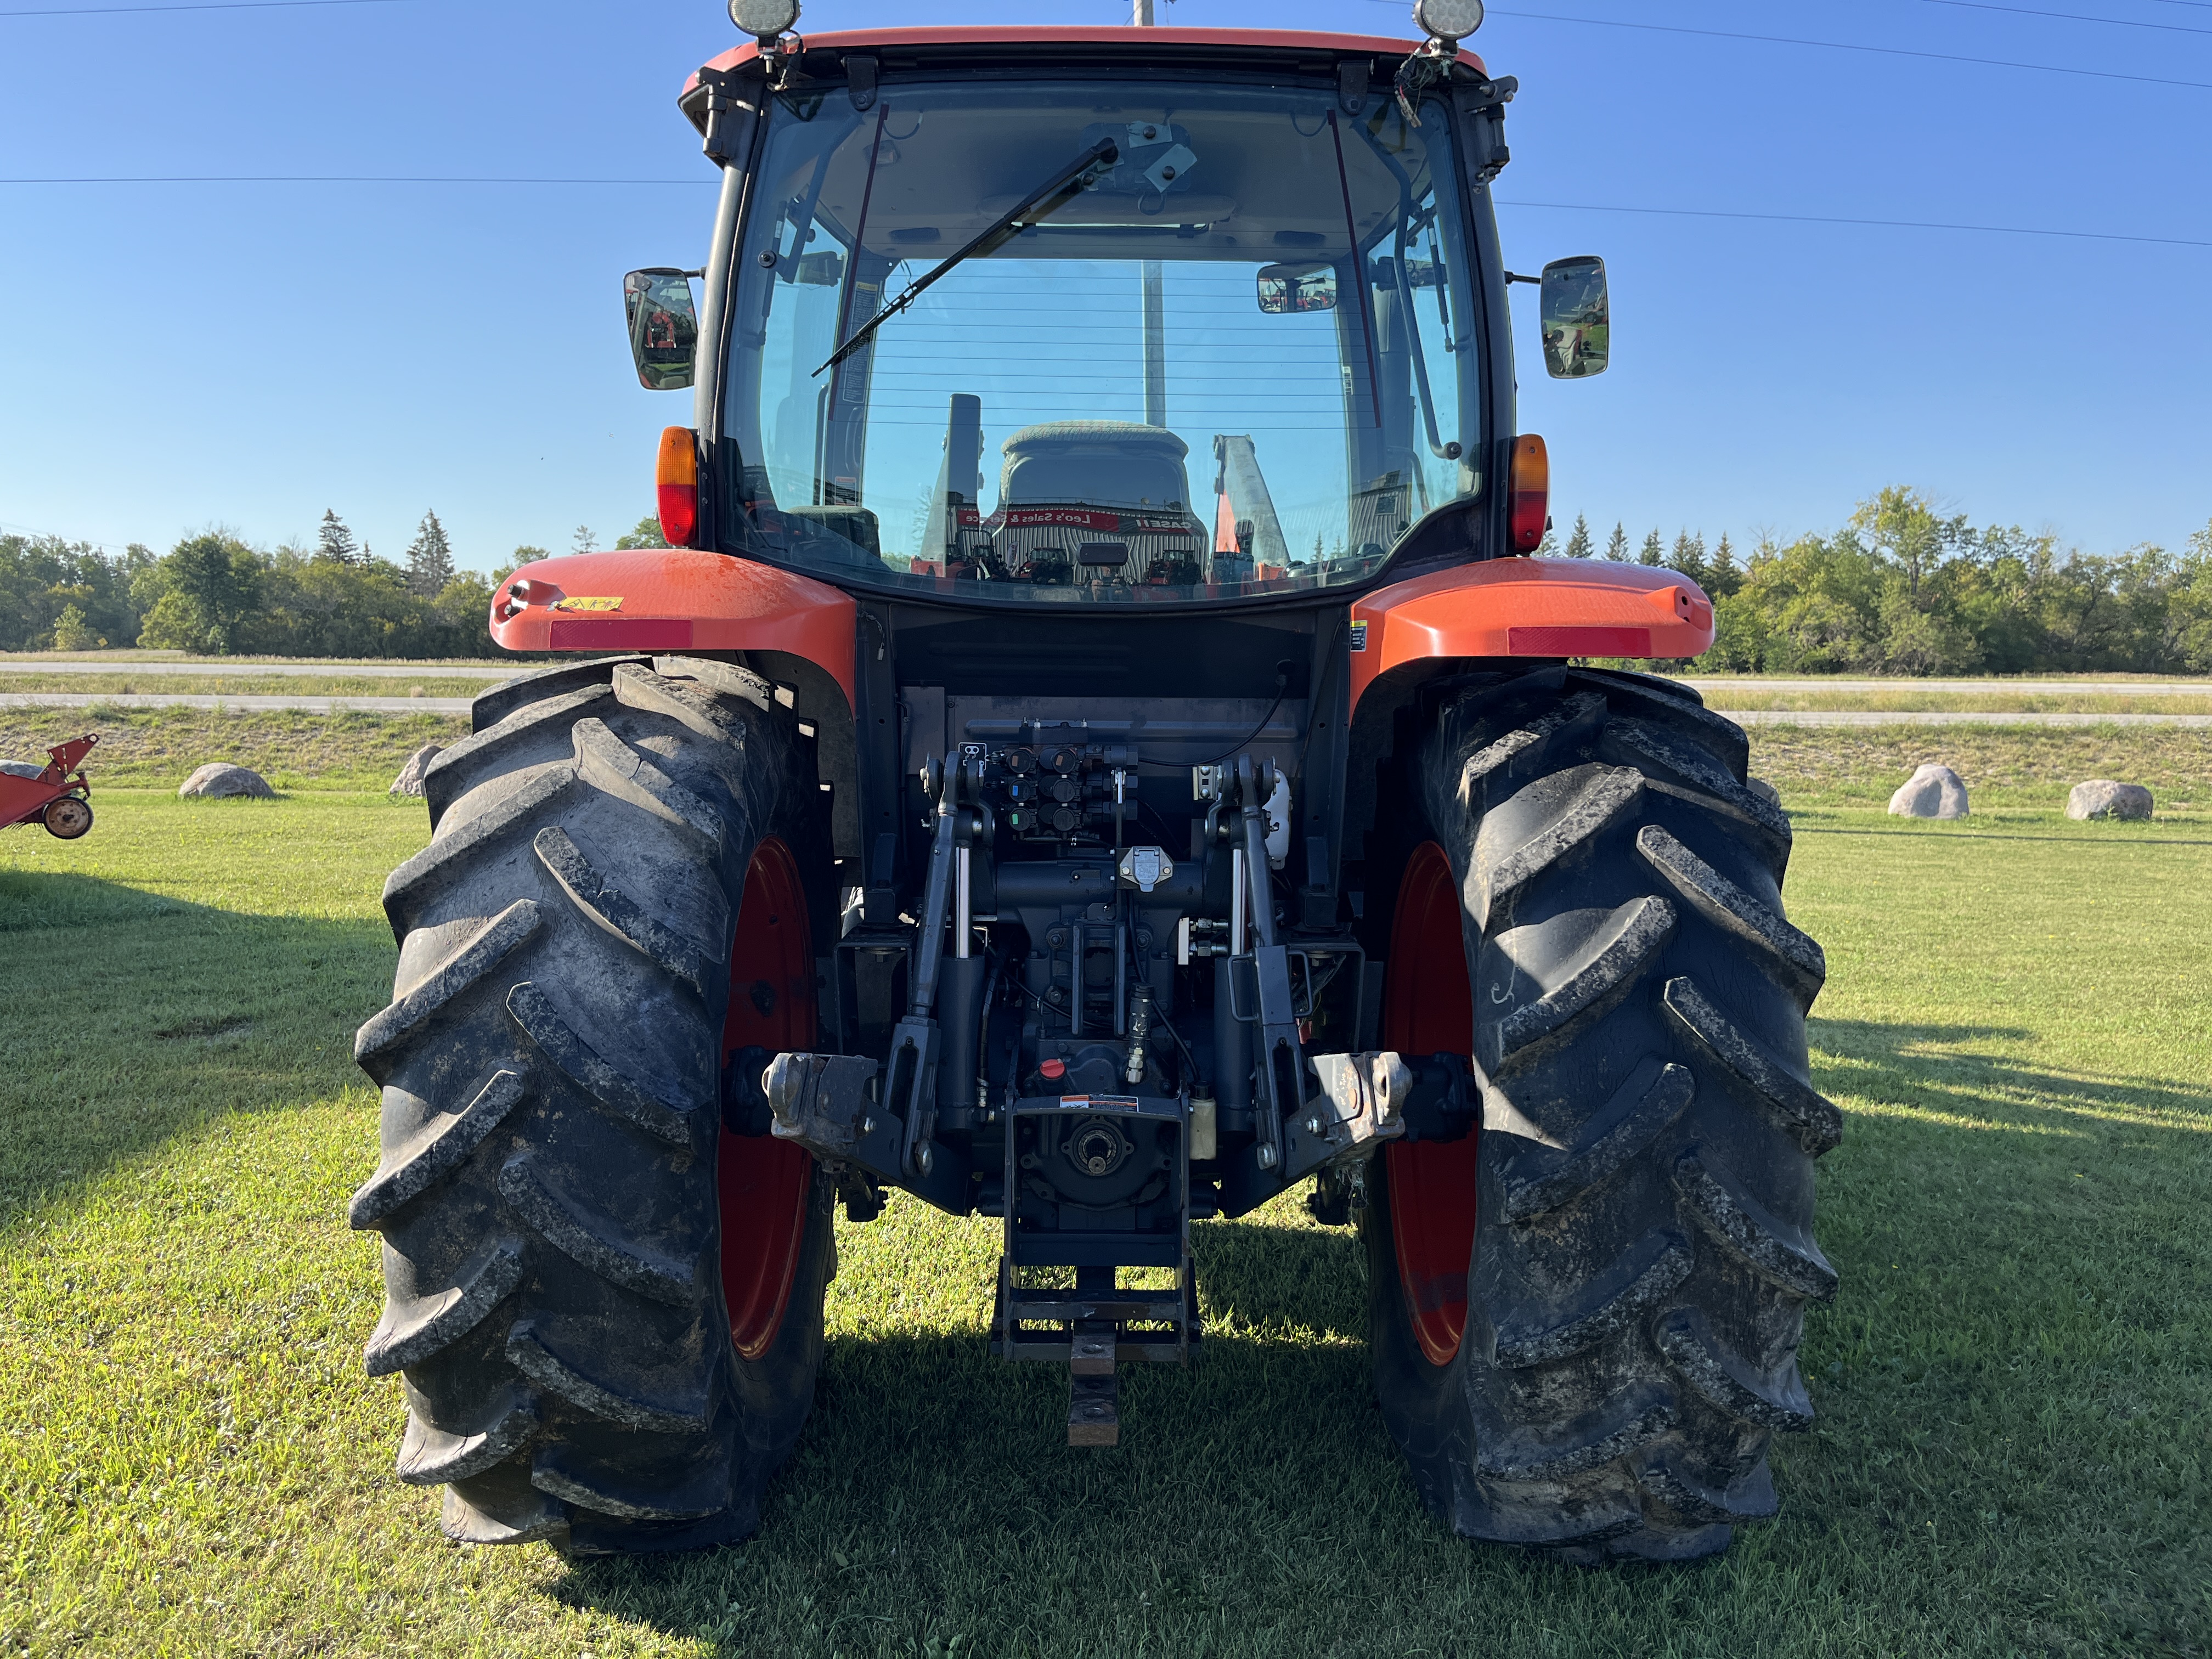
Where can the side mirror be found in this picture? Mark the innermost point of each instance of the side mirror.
(1298, 287)
(663, 328)
(1577, 333)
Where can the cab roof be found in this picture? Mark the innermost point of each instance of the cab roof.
(1103, 43)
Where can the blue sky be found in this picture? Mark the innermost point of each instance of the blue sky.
(250, 354)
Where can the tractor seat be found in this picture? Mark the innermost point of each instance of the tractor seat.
(1116, 464)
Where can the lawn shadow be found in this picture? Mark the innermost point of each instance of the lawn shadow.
(934, 1479)
(133, 1017)
(1916, 1061)
(923, 1450)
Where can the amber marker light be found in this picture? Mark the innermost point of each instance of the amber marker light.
(1529, 499)
(676, 478)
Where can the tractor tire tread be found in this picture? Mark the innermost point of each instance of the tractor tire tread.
(406, 1017)
(1808, 1117)
(554, 680)
(430, 1456)
(1794, 954)
(1609, 1300)
(594, 1241)
(679, 958)
(609, 1089)
(1737, 1222)
(1539, 1181)
(530, 1355)
(1604, 972)
(413, 1328)
(550, 1058)
(453, 771)
(1644, 1250)
(409, 888)
(441, 1147)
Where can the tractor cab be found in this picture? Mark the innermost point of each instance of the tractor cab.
(993, 291)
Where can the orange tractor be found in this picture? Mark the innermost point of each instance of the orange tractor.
(1091, 851)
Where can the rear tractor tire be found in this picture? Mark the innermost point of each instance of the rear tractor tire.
(607, 1305)
(1585, 1320)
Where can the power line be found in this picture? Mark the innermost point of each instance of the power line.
(335, 179)
(2072, 17)
(1564, 207)
(1890, 224)
(196, 5)
(1844, 45)
(54, 536)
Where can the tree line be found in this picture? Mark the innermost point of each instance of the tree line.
(215, 594)
(1903, 589)
(1899, 589)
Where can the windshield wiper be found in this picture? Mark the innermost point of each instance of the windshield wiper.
(1050, 197)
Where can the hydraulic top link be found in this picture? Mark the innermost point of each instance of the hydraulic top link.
(913, 1075)
(1281, 1063)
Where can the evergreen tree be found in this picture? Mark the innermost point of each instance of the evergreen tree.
(1578, 545)
(1722, 577)
(585, 538)
(1690, 555)
(1549, 547)
(335, 542)
(1617, 548)
(1653, 551)
(429, 558)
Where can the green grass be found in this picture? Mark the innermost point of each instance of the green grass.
(1996, 699)
(245, 683)
(129, 655)
(155, 748)
(2002, 766)
(2013, 1386)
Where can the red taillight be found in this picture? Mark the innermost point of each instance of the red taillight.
(1530, 496)
(676, 480)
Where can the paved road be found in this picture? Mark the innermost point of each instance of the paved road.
(1924, 717)
(310, 705)
(385, 671)
(460, 706)
(242, 670)
(1970, 687)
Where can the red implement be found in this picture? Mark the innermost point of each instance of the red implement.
(55, 797)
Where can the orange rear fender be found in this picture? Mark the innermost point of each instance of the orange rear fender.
(667, 599)
(1529, 608)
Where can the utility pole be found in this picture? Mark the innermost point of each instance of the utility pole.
(1155, 309)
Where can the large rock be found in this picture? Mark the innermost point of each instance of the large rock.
(2100, 798)
(1932, 791)
(410, 780)
(219, 780)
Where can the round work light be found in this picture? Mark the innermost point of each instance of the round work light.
(1442, 20)
(764, 20)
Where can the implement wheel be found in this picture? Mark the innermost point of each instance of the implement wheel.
(1585, 1320)
(67, 816)
(607, 1304)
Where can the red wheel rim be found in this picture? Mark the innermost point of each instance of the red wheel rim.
(1429, 1009)
(763, 1182)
